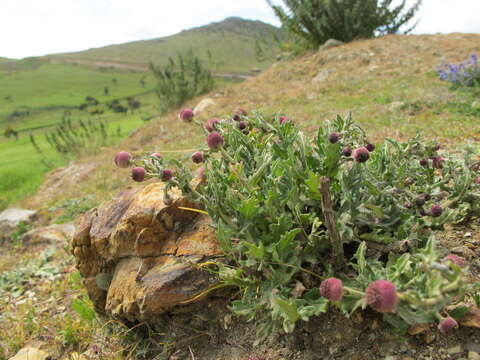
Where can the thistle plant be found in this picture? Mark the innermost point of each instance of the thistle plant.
(296, 218)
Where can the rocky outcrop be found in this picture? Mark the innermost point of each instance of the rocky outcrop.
(140, 257)
(11, 218)
(52, 234)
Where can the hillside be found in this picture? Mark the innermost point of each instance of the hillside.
(390, 86)
(231, 43)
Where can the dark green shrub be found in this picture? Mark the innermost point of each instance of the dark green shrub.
(316, 21)
(181, 80)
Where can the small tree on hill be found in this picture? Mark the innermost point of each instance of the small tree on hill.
(181, 80)
(316, 21)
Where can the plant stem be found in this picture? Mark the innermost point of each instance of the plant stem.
(329, 214)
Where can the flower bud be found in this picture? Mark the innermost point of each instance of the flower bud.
(214, 140)
(122, 159)
(457, 260)
(201, 173)
(424, 162)
(436, 211)
(211, 124)
(477, 181)
(420, 200)
(138, 174)
(332, 289)
(245, 131)
(447, 324)
(283, 119)
(186, 115)
(242, 125)
(197, 157)
(166, 175)
(437, 162)
(156, 155)
(381, 295)
(370, 147)
(238, 114)
(361, 155)
(347, 152)
(334, 137)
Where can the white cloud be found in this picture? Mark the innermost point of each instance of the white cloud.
(33, 27)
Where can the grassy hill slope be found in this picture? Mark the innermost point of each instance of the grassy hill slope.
(231, 43)
(389, 84)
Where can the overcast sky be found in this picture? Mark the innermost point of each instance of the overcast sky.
(39, 27)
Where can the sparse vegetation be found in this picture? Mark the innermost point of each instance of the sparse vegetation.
(181, 80)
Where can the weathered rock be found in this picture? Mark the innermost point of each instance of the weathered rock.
(139, 257)
(32, 351)
(52, 234)
(322, 76)
(203, 105)
(11, 218)
(330, 43)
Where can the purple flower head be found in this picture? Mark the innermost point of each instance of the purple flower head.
(211, 124)
(436, 211)
(477, 181)
(242, 125)
(283, 119)
(334, 137)
(138, 174)
(197, 157)
(238, 114)
(420, 200)
(381, 295)
(122, 159)
(186, 115)
(166, 175)
(214, 140)
(447, 324)
(156, 155)
(332, 289)
(347, 152)
(438, 162)
(424, 162)
(457, 260)
(245, 131)
(361, 154)
(370, 147)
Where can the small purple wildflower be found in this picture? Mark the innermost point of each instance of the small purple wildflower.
(370, 147)
(122, 159)
(447, 324)
(211, 124)
(332, 289)
(167, 175)
(214, 140)
(334, 137)
(138, 174)
(424, 162)
(186, 115)
(457, 260)
(283, 119)
(361, 154)
(381, 295)
(347, 152)
(197, 157)
(436, 211)
(242, 125)
(156, 154)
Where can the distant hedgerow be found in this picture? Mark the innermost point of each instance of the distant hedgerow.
(181, 80)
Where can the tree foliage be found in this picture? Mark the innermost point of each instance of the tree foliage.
(316, 21)
(181, 80)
